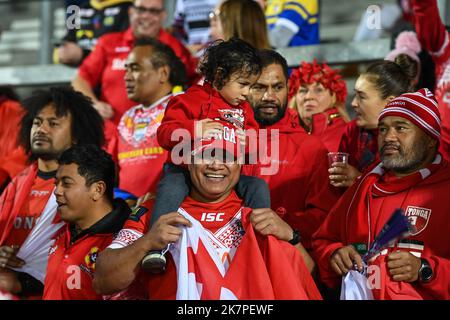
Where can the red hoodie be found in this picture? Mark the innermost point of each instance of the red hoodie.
(362, 212)
(300, 185)
(197, 103)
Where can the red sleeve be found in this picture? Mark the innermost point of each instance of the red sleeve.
(429, 27)
(439, 286)
(320, 198)
(330, 237)
(178, 115)
(93, 66)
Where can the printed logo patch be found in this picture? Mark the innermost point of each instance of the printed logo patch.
(91, 258)
(233, 116)
(137, 213)
(418, 217)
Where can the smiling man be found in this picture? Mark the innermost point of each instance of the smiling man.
(55, 120)
(84, 194)
(413, 176)
(214, 221)
(152, 71)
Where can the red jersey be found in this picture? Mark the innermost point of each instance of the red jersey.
(31, 210)
(225, 232)
(300, 185)
(71, 262)
(362, 212)
(361, 145)
(434, 38)
(197, 103)
(105, 66)
(328, 127)
(136, 148)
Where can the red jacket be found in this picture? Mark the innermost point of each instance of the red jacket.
(349, 223)
(197, 103)
(105, 66)
(361, 145)
(301, 184)
(12, 157)
(12, 200)
(328, 127)
(435, 39)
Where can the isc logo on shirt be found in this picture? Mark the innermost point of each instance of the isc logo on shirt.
(212, 216)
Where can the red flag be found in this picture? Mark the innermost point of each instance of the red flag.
(263, 267)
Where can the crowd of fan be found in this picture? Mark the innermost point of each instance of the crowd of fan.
(194, 164)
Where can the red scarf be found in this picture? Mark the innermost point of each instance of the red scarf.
(378, 183)
(13, 199)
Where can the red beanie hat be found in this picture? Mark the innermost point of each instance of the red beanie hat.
(421, 108)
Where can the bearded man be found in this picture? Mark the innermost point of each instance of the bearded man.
(413, 176)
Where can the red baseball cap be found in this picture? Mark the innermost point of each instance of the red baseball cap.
(223, 149)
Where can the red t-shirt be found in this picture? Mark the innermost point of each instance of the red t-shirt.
(137, 150)
(105, 66)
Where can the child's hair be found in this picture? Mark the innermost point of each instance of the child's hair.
(223, 58)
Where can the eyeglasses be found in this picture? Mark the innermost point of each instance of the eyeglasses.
(152, 11)
(213, 15)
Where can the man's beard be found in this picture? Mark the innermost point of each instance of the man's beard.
(407, 160)
(263, 120)
(47, 154)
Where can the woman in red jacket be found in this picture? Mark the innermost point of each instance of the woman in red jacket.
(318, 94)
(383, 81)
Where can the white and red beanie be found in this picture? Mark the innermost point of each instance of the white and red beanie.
(421, 108)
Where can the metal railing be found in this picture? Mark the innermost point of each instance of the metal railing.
(333, 53)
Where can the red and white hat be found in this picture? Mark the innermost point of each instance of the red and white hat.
(421, 108)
